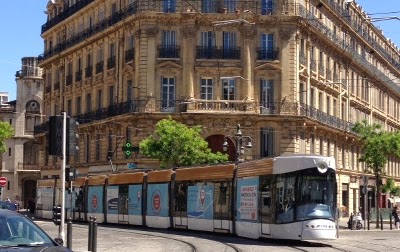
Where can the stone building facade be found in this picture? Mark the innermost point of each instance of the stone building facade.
(295, 74)
(19, 164)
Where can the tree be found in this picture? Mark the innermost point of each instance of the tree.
(6, 131)
(377, 146)
(390, 187)
(174, 144)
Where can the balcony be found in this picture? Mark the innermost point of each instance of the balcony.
(207, 52)
(88, 71)
(28, 167)
(111, 111)
(267, 53)
(357, 26)
(345, 46)
(99, 67)
(143, 6)
(169, 51)
(129, 55)
(68, 11)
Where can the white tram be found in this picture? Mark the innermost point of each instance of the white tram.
(297, 198)
(286, 197)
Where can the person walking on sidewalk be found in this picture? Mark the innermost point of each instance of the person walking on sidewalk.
(395, 213)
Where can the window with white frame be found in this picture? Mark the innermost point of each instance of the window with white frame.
(267, 95)
(228, 89)
(267, 47)
(168, 94)
(206, 89)
(267, 142)
(169, 5)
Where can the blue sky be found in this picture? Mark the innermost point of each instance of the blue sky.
(21, 21)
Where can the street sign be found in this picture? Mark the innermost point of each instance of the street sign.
(3, 181)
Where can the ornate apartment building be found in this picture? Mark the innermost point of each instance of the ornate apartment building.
(295, 74)
(19, 164)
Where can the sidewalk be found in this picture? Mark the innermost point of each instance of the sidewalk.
(386, 224)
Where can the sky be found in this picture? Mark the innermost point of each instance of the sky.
(21, 22)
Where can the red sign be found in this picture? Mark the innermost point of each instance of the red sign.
(3, 181)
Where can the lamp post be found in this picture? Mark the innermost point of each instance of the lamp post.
(239, 143)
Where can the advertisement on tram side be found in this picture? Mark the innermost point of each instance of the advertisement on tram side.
(247, 199)
(157, 200)
(95, 199)
(200, 202)
(135, 200)
(112, 199)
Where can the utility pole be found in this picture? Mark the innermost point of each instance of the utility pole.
(64, 160)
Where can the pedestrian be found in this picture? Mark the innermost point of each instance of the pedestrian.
(395, 213)
(8, 200)
(16, 204)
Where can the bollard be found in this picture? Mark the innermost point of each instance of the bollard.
(90, 233)
(69, 233)
(94, 235)
(390, 221)
(369, 219)
(381, 221)
(351, 221)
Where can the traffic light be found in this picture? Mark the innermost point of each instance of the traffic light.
(55, 139)
(70, 173)
(72, 137)
(57, 215)
(128, 149)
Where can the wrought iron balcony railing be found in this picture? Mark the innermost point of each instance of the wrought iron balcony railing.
(268, 53)
(358, 27)
(345, 46)
(169, 51)
(206, 52)
(129, 55)
(212, 7)
(67, 12)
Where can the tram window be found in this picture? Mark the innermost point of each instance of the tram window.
(180, 194)
(266, 201)
(285, 198)
(315, 195)
(222, 198)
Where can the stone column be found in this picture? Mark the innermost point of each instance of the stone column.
(248, 34)
(188, 58)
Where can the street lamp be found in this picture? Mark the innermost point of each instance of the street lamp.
(239, 143)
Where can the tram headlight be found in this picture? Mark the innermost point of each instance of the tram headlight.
(322, 167)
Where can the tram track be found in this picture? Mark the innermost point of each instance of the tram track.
(192, 247)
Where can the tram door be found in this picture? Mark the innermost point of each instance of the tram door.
(266, 206)
(180, 205)
(123, 198)
(222, 205)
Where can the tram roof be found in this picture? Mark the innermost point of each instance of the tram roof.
(296, 162)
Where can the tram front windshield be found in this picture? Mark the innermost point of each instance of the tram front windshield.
(316, 194)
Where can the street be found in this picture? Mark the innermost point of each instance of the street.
(112, 238)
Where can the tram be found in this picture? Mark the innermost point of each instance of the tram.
(285, 197)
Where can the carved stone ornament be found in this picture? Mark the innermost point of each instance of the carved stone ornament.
(152, 32)
(286, 35)
(189, 32)
(248, 32)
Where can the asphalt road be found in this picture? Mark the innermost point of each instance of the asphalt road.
(112, 238)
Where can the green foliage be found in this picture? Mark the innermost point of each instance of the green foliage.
(174, 144)
(6, 132)
(377, 146)
(390, 187)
